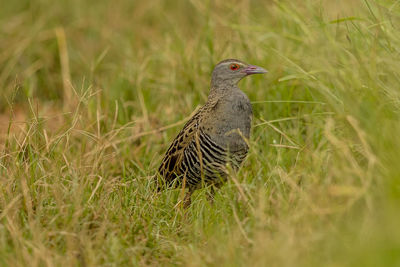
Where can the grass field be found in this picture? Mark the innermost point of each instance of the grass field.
(92, 93)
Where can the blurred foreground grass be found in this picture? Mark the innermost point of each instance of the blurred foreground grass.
(92, 92)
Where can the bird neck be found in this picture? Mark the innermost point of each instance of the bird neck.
(219, 81)
(220, 90)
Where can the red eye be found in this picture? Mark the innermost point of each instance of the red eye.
(234, 66)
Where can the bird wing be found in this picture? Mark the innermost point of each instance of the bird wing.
(170, 166)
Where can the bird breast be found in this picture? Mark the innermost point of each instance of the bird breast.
(230, 121)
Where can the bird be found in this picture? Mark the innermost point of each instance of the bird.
(215, 137)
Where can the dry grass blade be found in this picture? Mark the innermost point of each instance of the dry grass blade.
(280, 132)
(68, 92)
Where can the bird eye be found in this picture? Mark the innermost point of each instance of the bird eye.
(234, 66)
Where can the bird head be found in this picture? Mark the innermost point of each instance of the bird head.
(231, 71)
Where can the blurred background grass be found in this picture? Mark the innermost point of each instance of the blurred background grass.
(93, 92)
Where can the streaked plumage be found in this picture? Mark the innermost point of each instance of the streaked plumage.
(216, 135)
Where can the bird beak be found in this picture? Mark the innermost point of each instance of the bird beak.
(252, 69)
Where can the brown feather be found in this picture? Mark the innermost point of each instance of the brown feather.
(169, 168)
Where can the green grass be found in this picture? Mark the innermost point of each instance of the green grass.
(94, 91)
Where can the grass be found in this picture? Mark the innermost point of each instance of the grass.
(94, 91)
